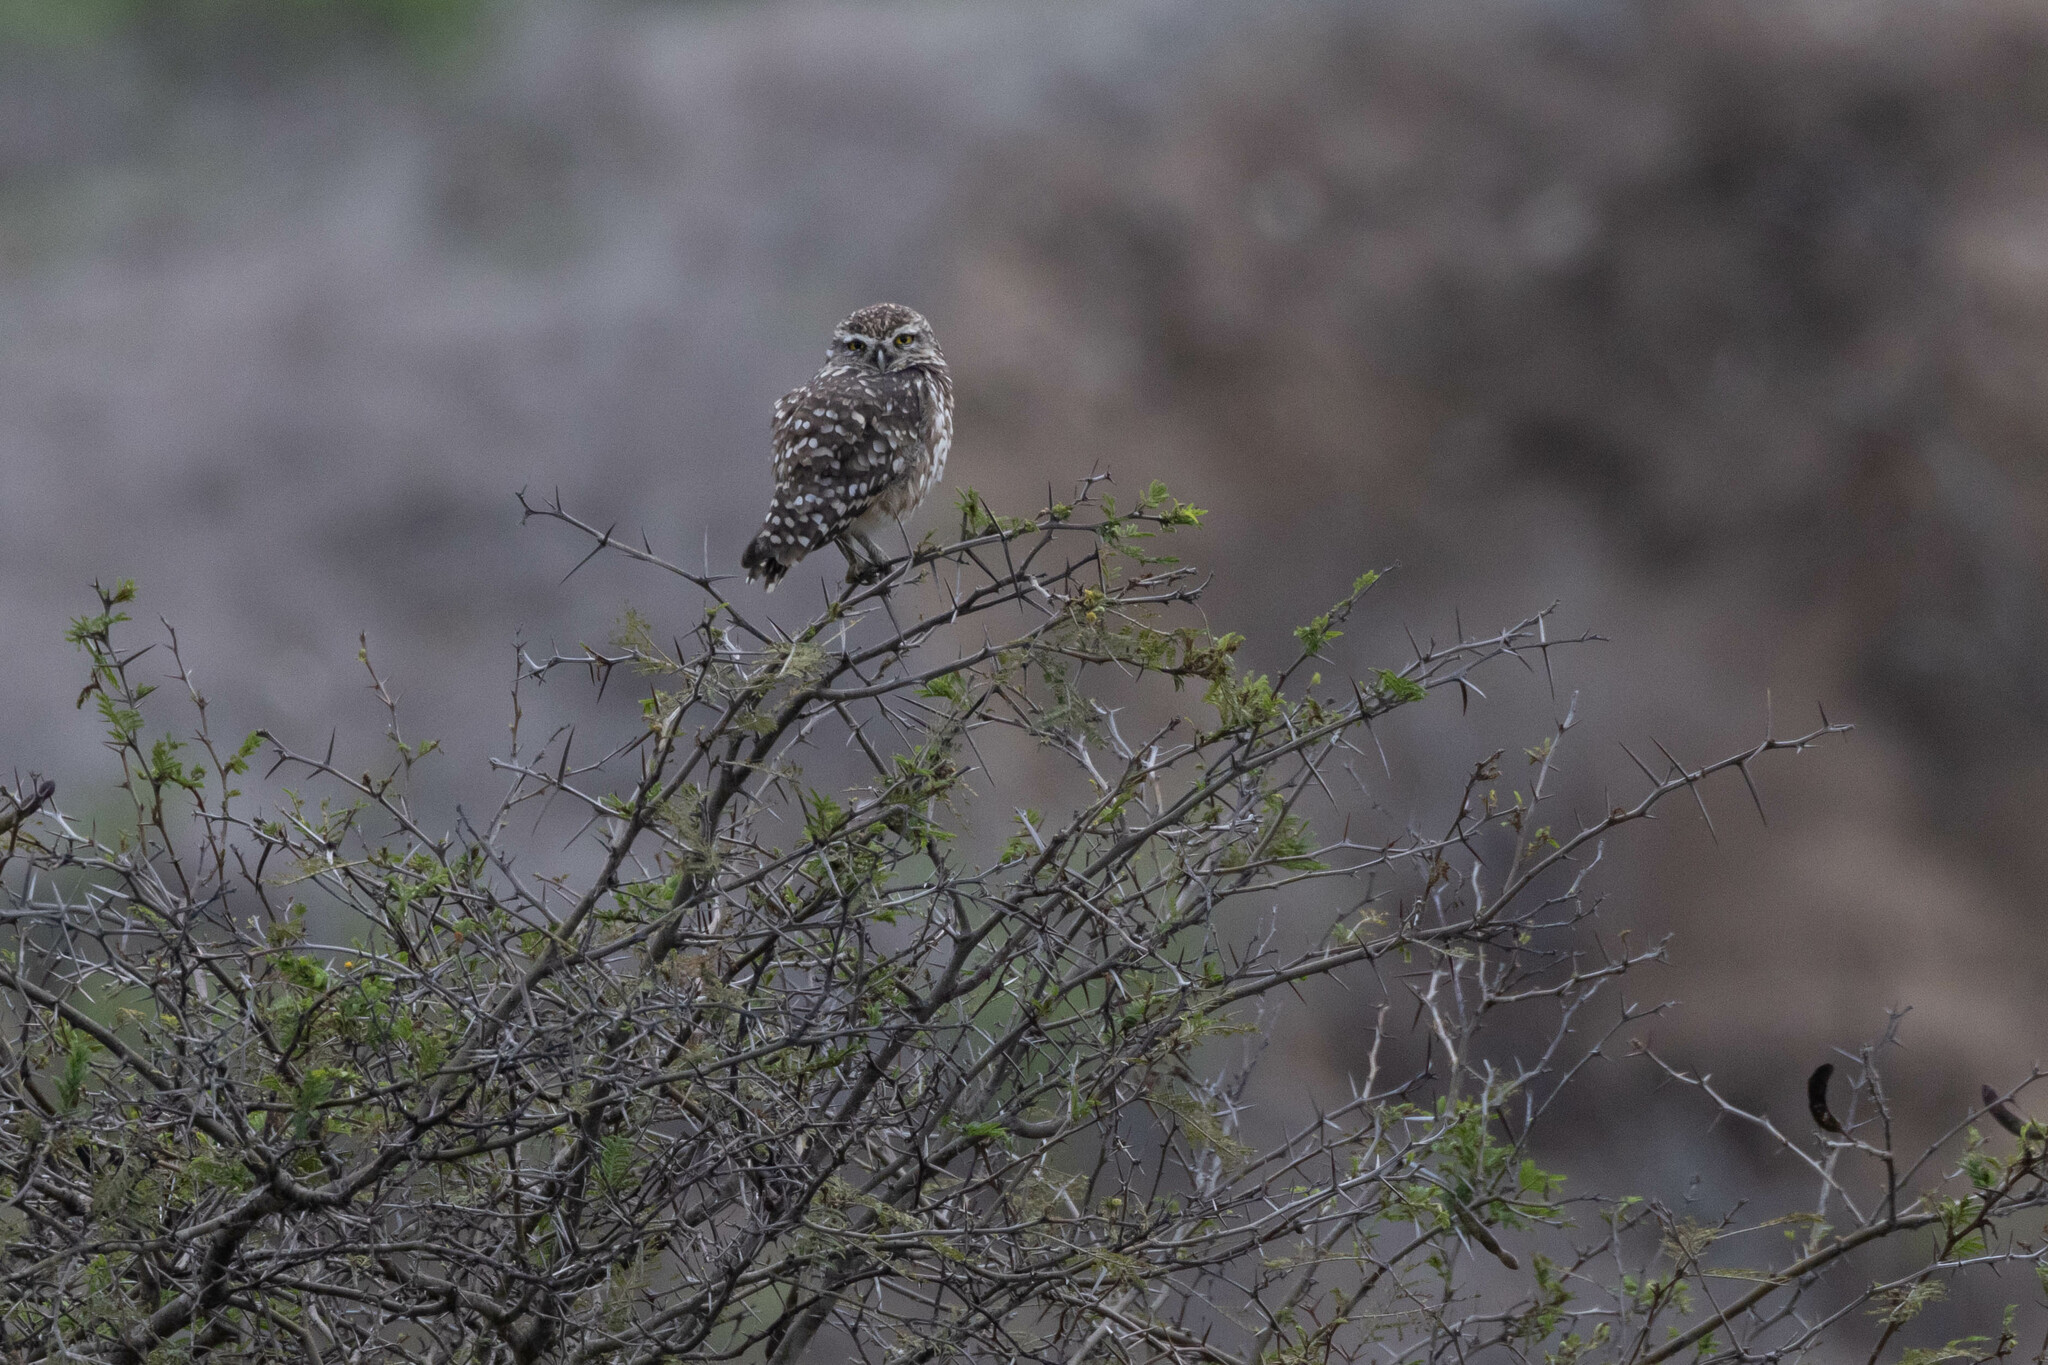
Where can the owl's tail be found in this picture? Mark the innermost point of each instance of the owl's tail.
(761, 561)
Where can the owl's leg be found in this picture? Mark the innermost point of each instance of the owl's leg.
(876, 553)
(864, 559)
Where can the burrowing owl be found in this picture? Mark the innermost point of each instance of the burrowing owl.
(858, 447)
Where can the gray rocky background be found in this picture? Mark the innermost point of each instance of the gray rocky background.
(1724, 325)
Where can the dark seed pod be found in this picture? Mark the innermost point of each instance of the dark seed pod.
(1817, 1097)
(2007, 1118)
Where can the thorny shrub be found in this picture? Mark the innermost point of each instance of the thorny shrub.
(762, 1066)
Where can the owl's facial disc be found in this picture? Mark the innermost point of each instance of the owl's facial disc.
(902, 347)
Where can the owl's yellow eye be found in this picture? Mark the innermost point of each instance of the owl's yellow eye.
(856, 345)
(906, 338)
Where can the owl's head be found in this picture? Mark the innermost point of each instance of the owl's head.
(886, 336)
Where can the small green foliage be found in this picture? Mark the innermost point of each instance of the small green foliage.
(613, 1163)
(1541, 1318)
(1201, 1120)
(824, 819)
(1155, 508)
(1573, 1346)
(1686, 1241)
(951, 687)
(977, 520)
(77, 1049)
(85, 631)
(308, 976)
(1316, 634)
(1395, 690)
(1934, 1355)
(1894, 1307)
(165, 769)
(1021, 845)
(429, 1050)
(1206, 657)
(1282, 840)
(320, 1085)
(1245, 702)
(238, 763)
(634, 635)
(1171, 513)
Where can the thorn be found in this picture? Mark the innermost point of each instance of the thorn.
(1743, 768)
(602, 541)
(1543, 644)
(1644, 767)
(1691, 785)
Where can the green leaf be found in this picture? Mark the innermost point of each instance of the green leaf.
(1391, 686)
(1316, 634)
(78, 1050)
(614, 1161)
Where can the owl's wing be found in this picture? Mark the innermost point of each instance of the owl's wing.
(783, 428)
(839, 441)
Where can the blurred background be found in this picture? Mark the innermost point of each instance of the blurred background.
(1721, 324)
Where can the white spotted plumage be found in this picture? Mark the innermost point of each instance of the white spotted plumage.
(858, 448)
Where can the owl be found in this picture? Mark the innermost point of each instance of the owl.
(858, 447)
